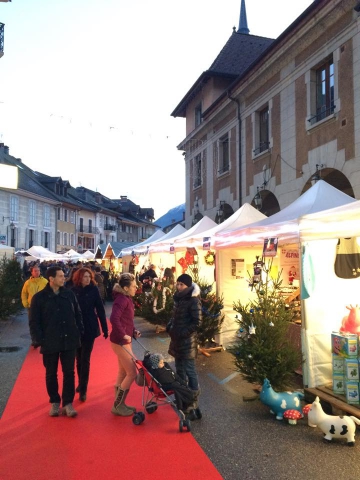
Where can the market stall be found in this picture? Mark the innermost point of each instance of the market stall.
(135, 257)
(158, 252)
(239, 250)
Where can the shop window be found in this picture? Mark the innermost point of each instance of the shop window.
(262, 131)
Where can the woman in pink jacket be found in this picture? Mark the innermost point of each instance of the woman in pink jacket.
(123, 330)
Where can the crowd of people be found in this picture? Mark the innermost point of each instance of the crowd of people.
(66, 313)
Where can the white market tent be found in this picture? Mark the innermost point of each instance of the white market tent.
(42, 253)
(237, 250)
(140, 248)
(88, 255)
(158, 250)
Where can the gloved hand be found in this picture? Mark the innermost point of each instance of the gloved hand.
(106, 334)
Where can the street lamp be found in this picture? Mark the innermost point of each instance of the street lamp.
(317, 175)
(258, 199)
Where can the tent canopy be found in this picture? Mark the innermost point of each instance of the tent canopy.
(285, 224)
(164, 242)
(43, 253)
(185, 239)
(7, 251)
(142, 246)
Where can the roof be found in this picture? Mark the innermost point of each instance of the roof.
(239, 52)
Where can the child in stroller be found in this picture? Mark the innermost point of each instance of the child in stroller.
(185, 398)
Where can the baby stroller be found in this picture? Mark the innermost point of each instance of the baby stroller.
(153, 395)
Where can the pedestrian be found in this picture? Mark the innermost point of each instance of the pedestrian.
(56, 325)
(99, 279)
(93, 311)
(34, 284)
(147, 278)
(182, 328)
(123, 330)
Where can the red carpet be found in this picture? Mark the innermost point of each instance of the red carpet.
(96, 444)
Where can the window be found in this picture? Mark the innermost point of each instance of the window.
(46, 239)
(32, 213)
(46, 216)
(324, 98)
(31, 238)
(72, 216)
(72, 240)
(65, 215)
(224, 154)
(14, 208)
(197, 171)
(262, 129)
(65, 238)
(59, 214)
(90, 226)
(81, 226)
(58, 237)
(198, 115)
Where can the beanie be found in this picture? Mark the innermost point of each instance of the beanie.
(155, 359)
(185, 279)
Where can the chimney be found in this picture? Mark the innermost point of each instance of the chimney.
(6, 149)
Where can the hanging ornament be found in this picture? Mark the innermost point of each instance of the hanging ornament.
(252, 329)
(210, 258)
(250, 356)
(271, 324)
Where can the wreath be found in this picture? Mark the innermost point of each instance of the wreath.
(210, 258)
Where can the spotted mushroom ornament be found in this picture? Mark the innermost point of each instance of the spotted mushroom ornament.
(293, 416)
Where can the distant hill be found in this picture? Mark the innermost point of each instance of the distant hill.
(172, 217)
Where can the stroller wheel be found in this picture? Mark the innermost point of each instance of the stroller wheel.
(151, 407)
(138, 418)
(184, 424)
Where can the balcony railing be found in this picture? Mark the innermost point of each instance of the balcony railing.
(110, 228)
(321, 113)
(87, 229)
(2, 25)
(262, 147)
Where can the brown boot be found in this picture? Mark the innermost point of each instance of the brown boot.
(128, 406)
(116, 388)
(119, 408)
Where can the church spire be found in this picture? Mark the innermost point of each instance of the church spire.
(243, 26)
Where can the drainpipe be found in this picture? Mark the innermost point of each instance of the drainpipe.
(239, 123)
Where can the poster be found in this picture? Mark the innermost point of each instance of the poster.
(206, 243)
(238, 267)
(270, 247)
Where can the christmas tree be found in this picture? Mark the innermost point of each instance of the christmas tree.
(211, 306)
(10, 287)
(264, 349)
(155, 306)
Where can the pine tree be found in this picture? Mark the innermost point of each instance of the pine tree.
(264, 349)
(211, 306)
(10, 287)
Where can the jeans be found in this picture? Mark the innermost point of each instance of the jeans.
(185, 368)
(83, 355)
(67, 360)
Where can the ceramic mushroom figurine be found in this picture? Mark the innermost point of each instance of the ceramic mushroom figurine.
(293, 416)
(306, 410)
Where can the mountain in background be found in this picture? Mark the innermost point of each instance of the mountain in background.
(173, 217)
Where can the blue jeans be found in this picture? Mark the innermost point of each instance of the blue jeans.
(185, 368)
(51, 361)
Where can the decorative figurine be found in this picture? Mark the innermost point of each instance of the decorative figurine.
(351, 323)
(331, 425)
(279, 402)
(293, 416)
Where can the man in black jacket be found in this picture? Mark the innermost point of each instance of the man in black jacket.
(56, 325)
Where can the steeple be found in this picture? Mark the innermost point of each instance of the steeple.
(243, 26)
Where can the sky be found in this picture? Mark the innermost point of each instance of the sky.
(87, 87)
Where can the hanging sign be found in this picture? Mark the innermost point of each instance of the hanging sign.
(270, 247)
(206, 243)
(172, 248)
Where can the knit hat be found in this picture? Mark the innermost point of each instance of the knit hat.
(185, 279)
(155, 359)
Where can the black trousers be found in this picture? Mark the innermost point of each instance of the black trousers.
(83, 355)
(51, 362)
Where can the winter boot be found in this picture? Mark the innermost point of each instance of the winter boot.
(116, 388)
(119, 408)
(128, 406)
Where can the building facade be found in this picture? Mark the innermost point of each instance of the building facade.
(262, 131)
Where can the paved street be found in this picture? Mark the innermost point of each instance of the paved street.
(243, 440)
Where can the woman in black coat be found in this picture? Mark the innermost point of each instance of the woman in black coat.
(183, 327)
(92, 309)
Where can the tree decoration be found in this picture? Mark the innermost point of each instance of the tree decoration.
(269, 353)
(210, 258)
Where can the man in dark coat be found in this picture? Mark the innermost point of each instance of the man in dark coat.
(182, 329)
(56, 325)
(147, 278)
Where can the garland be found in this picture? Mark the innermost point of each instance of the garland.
(210, 258)
(164, 292)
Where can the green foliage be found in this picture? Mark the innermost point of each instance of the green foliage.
(264, 349)
(144, 305)
(10, 287)
(211, 306)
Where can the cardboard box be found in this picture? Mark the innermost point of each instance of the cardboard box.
(339, 384)
(352, 369)
(344, 345)
(352, 392)
(338, 364)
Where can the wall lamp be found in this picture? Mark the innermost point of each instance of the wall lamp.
(317, 175)
(12, 226)
(258, 199)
